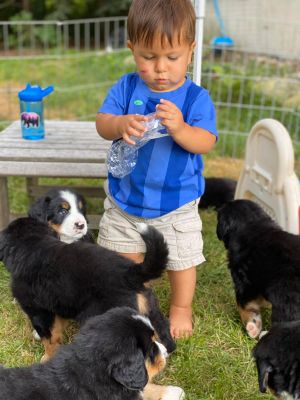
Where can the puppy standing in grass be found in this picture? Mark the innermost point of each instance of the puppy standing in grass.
(54, 281)
(264, 262)
(64, 210)
(165, 186)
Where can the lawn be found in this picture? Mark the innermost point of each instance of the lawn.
(215, 363)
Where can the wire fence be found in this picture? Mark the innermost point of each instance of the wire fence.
(56, 38)
(83, 58)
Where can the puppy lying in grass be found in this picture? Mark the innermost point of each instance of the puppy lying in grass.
(113, 357)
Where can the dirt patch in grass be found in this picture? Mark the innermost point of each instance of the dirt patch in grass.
(223, 167)
(9, 101)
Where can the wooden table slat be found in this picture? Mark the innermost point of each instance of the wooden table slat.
(59, 169)
(53, 155)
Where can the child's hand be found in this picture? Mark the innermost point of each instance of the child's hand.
(131, 125)
(171, 117)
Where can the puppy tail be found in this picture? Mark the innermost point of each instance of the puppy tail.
(156, 255)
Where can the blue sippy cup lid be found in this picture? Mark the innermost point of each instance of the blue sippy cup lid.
(34, 93)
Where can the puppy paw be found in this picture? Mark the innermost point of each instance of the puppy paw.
(173, 393)
(45, 358)
(254, 326)
(35, 335)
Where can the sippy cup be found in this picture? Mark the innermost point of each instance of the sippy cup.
(31, 108)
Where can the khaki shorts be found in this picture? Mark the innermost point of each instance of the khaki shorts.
(181, 229)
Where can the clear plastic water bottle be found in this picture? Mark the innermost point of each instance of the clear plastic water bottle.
(122, 157)
(32, 111)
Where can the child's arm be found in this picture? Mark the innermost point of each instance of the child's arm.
(193, 139)
(113, 127)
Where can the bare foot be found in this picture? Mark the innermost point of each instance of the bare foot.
(181, 324)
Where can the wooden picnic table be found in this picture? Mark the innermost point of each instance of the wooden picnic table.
(69, 150)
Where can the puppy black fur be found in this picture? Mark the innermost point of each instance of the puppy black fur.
(218, 191)
(76, 281)
(264, 262)
(277, 357)
(65, 211)
(107, 360)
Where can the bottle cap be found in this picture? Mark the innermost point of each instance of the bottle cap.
(34, 93)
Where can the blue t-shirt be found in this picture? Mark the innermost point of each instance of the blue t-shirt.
(165, 176)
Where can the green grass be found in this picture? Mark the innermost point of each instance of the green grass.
(214, 364)
(80, 82)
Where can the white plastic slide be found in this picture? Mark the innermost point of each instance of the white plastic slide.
(268, 176)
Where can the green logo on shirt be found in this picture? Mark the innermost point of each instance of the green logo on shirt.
(138, 102)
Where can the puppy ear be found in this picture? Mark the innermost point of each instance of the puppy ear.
(264, 369)
(82, 200)
(38, 210)
(130, 371)
(223, 228)
(226, 226)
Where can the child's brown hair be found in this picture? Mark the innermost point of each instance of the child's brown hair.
(148, 18)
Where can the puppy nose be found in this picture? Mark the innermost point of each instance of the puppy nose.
(79, 225)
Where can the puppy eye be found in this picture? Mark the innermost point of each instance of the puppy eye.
(63, 211)
(153, 351)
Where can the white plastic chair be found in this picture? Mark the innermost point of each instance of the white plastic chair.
(268, 176)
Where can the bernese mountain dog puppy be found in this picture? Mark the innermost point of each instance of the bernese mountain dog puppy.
(277, 356)
(113, 357)
(218, 191)
(53, 281)
(264, 261)
(65, 211)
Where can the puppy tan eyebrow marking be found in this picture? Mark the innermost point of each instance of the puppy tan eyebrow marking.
(80, 205)
(65, 205)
